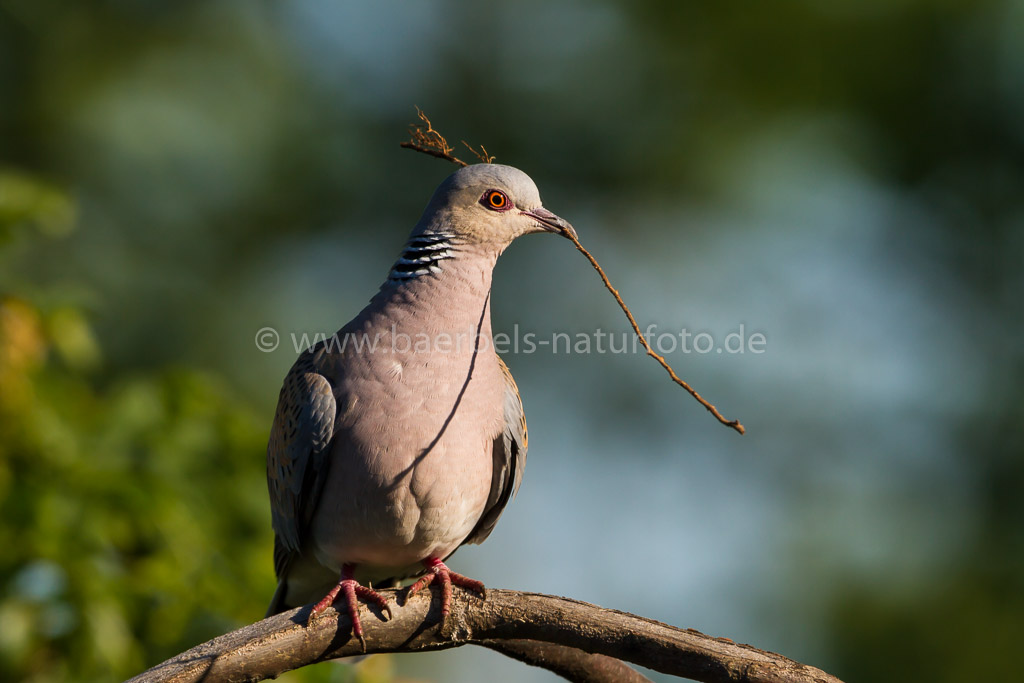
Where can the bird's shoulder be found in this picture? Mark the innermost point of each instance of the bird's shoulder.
(300, 437)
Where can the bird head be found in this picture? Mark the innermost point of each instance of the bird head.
(490, 205)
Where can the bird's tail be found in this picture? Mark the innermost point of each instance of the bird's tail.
(277, 602)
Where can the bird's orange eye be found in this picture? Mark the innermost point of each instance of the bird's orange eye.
(496, 200)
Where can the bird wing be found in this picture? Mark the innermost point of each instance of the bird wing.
(299, 441)
(509, 453)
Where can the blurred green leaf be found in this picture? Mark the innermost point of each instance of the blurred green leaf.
(28, 201)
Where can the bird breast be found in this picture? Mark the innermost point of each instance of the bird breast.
(410, 468)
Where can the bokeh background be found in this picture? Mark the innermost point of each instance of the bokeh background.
(844, 177)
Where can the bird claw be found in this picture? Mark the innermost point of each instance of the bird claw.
(352, 591)
(440, 573)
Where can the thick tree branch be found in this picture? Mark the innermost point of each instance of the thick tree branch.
(569, 663)
(284, 642)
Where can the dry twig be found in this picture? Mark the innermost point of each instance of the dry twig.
(735, 424)
(427, 140)
(482, 155)
(423, 138)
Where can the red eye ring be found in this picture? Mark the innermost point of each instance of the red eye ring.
(496, 200)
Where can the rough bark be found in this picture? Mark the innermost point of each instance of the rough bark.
(284, 642)
(569, 663)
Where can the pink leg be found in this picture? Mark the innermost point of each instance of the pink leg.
(351, 589)
(438, 572)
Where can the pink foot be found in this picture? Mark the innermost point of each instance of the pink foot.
(351, 589)
(440, 573)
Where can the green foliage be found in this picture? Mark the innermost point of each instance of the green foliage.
(952, 629)
(135, 513)
(25, 200)
(134, 503)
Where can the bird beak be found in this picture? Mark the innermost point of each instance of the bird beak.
(549, 222)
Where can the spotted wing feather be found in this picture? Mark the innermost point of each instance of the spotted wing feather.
(509, 454)
(299, 440)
